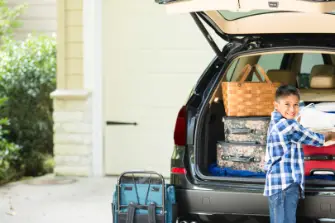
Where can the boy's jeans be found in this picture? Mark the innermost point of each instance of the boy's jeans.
(283, 205)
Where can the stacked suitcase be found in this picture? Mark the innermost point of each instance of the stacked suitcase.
(248, 106)
(319, 160)
(144, 198)
(245, 143)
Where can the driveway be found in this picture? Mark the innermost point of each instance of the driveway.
(57, 199)
(62, 200)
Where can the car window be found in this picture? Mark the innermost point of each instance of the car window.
(231, 70)
(229, 15)
(269, 62)
(309, 60)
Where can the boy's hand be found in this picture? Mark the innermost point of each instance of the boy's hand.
(329, 136)
(298, 119)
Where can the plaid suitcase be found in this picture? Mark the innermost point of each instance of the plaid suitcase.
(136, 202)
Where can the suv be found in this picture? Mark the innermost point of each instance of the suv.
(292, 40)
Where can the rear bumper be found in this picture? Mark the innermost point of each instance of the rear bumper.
(221, 202)
(214, 202)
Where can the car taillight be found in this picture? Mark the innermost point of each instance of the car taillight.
(180, 128)
(178, 170)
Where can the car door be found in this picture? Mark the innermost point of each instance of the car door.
(235, 18)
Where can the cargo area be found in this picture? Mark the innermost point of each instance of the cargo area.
(311, 71)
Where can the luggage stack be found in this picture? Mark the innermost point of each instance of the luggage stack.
(245, 143)
(248, 110)
(320, 160)
(141, 198)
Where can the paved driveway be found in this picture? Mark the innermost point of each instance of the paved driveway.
(62, 200)
(87, 200)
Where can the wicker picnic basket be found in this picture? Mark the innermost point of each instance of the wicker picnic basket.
(249, 98)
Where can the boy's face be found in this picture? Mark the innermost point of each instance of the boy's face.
(287, 106)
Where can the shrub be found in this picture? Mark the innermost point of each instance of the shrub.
(9, 17)
(27, 77)
(10, 161)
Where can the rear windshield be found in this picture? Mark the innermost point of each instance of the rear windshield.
(229, 15)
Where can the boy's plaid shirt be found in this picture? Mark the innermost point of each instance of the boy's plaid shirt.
(284, 159)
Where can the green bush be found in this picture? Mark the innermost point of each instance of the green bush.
(10, 160)
(9, 17)
(27, 77)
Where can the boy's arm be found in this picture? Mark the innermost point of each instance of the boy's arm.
(305, 136)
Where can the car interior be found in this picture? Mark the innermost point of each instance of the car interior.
(287, 67)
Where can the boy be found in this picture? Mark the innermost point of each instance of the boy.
(284, 161)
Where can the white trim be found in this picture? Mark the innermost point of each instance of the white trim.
(70, 94)
(92, 20)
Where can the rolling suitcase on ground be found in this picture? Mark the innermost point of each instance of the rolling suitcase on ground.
(319, 160)
(143, 199)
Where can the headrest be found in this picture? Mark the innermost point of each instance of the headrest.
(283, 76)
(323, 76)
(323, 69)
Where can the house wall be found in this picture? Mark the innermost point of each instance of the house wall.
(40, 16)
(70, 40)
(72, 104)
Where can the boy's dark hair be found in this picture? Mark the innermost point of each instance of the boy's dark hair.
(287, 90)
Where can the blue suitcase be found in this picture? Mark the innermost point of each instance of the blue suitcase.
(152, 201)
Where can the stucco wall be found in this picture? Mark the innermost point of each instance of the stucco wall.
(72, 104)
(70, 44)
(40, 16)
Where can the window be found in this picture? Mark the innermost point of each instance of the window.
(229, 15)
(269, 62)
(309, 60)
(231, 70)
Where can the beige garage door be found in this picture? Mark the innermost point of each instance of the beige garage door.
(150, 63)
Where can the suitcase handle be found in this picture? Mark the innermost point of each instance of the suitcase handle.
(319, 157)
(243, 159)
(141, 172)
(240, 131)
(247, 142)
(324, 171)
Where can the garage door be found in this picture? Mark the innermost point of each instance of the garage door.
(150, 63)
